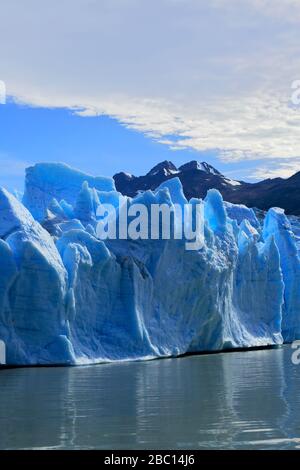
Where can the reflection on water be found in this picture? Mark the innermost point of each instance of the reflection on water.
(232, 400)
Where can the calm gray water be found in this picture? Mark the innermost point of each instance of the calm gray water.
(231, 400)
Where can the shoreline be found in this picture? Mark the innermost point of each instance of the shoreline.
(187, 354)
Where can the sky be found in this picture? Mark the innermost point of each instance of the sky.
(116, 85)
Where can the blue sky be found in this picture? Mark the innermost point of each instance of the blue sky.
(98, 145)
(213, 75)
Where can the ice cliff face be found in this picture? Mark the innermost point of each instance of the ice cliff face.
(48, 181)
(67, 297)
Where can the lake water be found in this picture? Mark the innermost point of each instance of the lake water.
(235, 400)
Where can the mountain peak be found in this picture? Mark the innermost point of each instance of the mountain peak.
(203, 166)
(124, 176)
(198, 177)
(166, 167)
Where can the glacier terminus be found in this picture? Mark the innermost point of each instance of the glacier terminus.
(67, 297)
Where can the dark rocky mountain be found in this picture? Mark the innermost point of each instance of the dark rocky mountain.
(197, 178)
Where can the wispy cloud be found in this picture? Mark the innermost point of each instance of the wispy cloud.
(217, 74)
(277, 169)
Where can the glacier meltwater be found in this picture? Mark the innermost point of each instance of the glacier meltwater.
(67, 297)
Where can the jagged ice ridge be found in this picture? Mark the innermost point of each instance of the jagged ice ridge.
(67, 297)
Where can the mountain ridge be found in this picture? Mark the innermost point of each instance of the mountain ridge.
(198, 177)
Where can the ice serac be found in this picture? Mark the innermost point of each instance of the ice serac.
(277, 226)
(45, 181)
(240, 212)
(32, 290)
(67, 297)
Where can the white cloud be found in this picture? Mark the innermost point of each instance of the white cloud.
(278, 169)
(283, 9)
(216, 75)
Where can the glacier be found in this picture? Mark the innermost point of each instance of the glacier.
(67, 297)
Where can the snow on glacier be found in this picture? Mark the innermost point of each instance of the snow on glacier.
(67, 297)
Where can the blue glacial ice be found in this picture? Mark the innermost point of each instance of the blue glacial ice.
(67, 297)
(48, 181)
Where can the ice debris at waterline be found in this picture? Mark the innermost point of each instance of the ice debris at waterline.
(67, 297)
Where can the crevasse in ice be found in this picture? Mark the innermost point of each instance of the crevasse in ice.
(67, 297)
